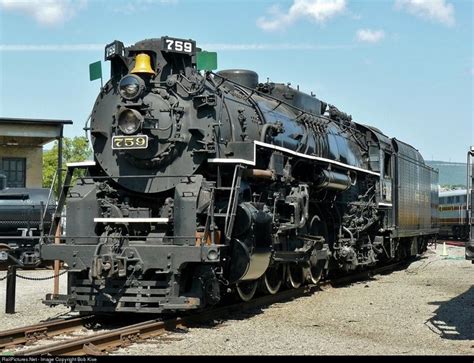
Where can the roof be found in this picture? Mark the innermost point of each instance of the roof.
(30, 132)
(35, 121)
(452, 193)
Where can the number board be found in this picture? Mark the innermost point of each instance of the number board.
(129, 142)
(178, 45)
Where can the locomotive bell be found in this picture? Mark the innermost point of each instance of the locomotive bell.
(142, 64)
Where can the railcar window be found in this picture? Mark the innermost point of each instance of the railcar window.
(450, 200)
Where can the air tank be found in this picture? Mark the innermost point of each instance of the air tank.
(333, 180)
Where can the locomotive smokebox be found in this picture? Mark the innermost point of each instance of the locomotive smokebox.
(241, 76)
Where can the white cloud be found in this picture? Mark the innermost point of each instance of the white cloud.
(370, 36)
(45, 12)
(436, 10)
(368, 61)
(134, 6)
(271, 46)
(317, 10)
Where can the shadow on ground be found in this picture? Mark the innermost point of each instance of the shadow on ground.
(454, 319)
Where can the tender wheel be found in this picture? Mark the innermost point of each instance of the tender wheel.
(271, 282)
(246, 289)
(294, 275)
(4, 263)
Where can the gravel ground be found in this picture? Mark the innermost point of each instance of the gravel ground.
(29, 309)
(425, 309)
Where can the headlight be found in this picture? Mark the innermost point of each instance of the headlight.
(131, 86)
(129, 121)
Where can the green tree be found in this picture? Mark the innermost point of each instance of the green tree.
(74, 149)
(453, 186)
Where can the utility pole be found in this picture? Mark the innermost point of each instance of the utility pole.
(469, 204)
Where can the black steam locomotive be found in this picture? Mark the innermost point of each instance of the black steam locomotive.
(205, 184)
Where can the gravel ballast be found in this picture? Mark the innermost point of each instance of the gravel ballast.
(426, 309)
(29, 309)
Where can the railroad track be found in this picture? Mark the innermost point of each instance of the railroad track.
(32, 333)
(100, 343)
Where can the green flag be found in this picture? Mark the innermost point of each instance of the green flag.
(95, 71)
(206, 61)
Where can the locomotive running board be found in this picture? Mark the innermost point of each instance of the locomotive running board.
(286, 151)
(131, 220)
(81, 164)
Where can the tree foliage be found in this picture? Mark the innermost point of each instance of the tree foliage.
(445, 187)
(74, 149)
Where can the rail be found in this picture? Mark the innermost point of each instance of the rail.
(32, 333)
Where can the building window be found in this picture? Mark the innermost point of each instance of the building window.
(15, 171)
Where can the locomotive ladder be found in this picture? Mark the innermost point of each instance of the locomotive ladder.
(65, 190)
(234, 191)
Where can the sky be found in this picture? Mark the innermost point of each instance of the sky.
(403, 66)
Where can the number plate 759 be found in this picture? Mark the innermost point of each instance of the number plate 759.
(130, 142)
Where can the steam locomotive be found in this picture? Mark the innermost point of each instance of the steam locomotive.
(205, 184)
